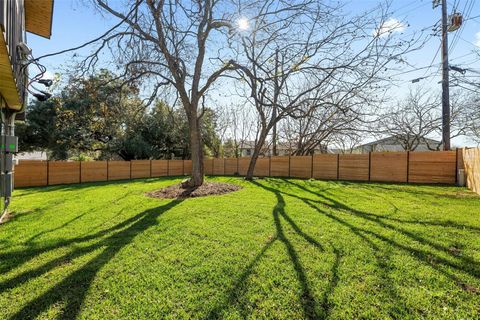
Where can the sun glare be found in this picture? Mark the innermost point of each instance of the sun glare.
(243, 24)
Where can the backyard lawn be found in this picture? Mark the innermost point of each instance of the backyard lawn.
(283, 249)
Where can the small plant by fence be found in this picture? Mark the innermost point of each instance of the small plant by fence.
(413, 167)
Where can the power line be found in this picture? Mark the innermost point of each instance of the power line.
(407, 5)
(434, 57)
(435, 73)
(400, 13)
(472, 90)
(473, 18)
(93, 40)
(473, 44)
(430, 65)
(414, 70)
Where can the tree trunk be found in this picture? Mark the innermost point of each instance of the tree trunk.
(256, 153)
(196, 147)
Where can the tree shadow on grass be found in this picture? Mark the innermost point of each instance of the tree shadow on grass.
(15, 259)
(311, 308)
(32, 239)
(239, 288)
(466, 264)
(460, 263)
(75, 187)
(412, 188)
(71, 291)
(307, 299)
(325, 304)
(447, 224)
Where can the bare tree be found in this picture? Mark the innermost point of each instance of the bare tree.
(171, 43)
(332, 118)
(472, 113)
(418, 117)
(298, 48)
(346, 142)
(413, 119)
(241, 124)
(467, 110)
(462, 113)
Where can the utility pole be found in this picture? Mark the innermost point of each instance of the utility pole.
(445, 81)
(274, 111)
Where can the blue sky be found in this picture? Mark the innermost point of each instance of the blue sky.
(75, 23)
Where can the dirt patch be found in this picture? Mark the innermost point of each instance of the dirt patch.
(177, 191)
(6, 217)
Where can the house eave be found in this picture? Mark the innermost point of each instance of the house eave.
(8, 87)
(38, 17)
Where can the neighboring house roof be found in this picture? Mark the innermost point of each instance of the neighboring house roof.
(335, 150)
(34, 155)
(251, 144)
(395, 140)
(280, 146)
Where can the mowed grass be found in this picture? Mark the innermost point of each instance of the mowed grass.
(278, 249)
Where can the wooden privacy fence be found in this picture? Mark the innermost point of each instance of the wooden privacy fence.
(414, 167)
(470, 161)
(29, 173)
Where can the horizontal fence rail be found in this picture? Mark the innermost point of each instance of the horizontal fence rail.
(407, 167)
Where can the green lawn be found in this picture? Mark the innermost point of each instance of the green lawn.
(283, 249)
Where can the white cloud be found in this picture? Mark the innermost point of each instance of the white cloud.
(477, 39)
(389, 26)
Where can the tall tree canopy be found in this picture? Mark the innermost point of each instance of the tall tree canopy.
(102, 117)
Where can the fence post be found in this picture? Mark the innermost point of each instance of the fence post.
(183, 167)
(130, 169)
(369, 165)
(80, 172)
(289, 163)
(408, 166)
(456, 166)
(338, 166)
(223, 165)
(108, 172)
(48, 173)
(270, 166)
(150, 168)
(168, 168)
(311, 167)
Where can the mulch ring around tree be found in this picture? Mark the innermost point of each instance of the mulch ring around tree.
(179, 191)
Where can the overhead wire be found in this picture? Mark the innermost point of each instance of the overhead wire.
(431, 64)
(468, 7)
(94, 39)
